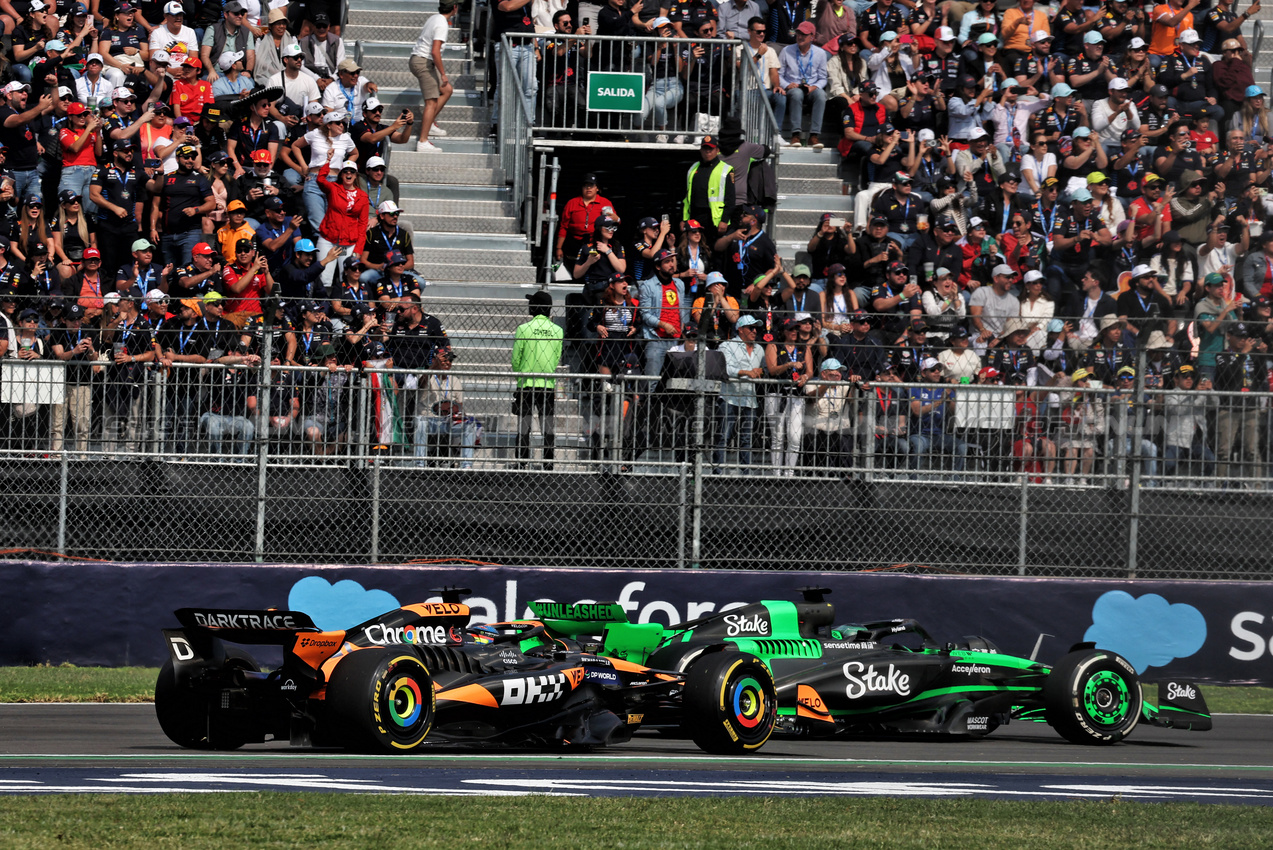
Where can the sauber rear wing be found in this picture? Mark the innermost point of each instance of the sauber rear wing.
(585, 619)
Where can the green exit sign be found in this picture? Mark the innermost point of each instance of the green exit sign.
(613, 92)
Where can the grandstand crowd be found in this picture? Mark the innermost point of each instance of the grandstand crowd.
(1041, 193)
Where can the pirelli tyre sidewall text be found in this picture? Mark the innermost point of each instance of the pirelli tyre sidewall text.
(380, 700)
(1093, 697)
(730, 703)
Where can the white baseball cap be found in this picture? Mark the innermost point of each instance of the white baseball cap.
(333, 117)
(122, 93)
(293, 49)
(1003, 269)
(1040, 35)
(227, 59)
(930, 363)
(314, 108)
(1033, 275)
(976, 221)
(387, 206)
(161, 56)
(926, 135)
(1137, 43)
(38, 6)
(155, 296)
(1143, 270)
(371, 103)
(65, 93)
(16, 85)
(174, 8)
(977, 133)
(93, 57)
(1118, 84)
(945, 34)
(377, 162)
(1190, 37)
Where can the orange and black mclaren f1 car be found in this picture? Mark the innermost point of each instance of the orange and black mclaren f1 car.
(421, 675)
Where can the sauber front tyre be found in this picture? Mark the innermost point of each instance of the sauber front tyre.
(1093, 697)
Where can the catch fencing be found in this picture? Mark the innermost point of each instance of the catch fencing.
(363, 462)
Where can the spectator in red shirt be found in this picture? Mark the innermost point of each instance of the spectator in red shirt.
(81, 148)
(344, 224)
(248, 281)
(578, 219)
(189, 93)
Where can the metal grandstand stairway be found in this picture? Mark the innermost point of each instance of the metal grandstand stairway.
(808, 186)
(468, 242)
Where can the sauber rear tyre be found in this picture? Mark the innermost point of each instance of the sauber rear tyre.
(1093, 697)
(183, 712)
(381, 700)
(730, 706)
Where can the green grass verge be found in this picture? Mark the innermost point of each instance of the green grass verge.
(278, 820)
(137, 684)
(77, 684)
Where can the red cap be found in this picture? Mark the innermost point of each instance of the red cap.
(261, 156)
(92, 252)
(76, 108)
(988, 372)
(193, 62)
(202, 248)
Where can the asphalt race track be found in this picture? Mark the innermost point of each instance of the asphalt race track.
(84, 748)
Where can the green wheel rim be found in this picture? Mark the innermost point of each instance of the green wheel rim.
(1106, 698)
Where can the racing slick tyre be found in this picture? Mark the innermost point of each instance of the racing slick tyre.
(183, 712)
(730, 705)
(381, 700)
(1093, 697)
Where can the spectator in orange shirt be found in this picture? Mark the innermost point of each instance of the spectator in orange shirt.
(578, 219)
(1170, 20)
(235, 229)
(189, 93)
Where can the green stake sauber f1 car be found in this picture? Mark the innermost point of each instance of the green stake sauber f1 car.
(880, 677)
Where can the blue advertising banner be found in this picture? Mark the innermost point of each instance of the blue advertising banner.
(111, 614)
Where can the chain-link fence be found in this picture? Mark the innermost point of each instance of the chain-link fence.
(305, 443)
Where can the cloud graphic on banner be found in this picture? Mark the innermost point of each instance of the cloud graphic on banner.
(335, 607)
(1149, 631)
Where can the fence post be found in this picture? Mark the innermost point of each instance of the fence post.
(1138, 430)
(1023, 521)
(699, 430)
(375, 510)
(683, 499)
(64, 476)
(263, 434)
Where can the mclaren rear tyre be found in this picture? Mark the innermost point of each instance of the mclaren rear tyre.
(183, 712)
(380, 700)
(730, 704)
(1093, 697)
